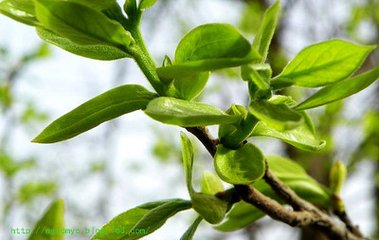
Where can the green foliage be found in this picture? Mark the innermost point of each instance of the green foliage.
(107, 106)
(337, 177)
(141, 220)
(240, 166)
(52, 219)
(323, 64)
(185, 113)
(99, 30)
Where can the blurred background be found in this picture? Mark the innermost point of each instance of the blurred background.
(132, 160)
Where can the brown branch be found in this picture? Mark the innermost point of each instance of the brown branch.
(349, 224)
(305, 213)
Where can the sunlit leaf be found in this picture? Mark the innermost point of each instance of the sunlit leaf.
(141, 220)
(185, 113)
(187, 157)
(302, 137)
(211, 183)
(242, 166)
(266, 31)
(52, 220)
(81, 24)
(211, 208)
(340, 90)
(107, 106)
(19, 10)
(191, 86)
(322, 64)
(94, 51)
(145, 4)
(31, 190)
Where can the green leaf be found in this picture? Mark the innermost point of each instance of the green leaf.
(242, 166)
(81, 24)
(31, 190)
(185, 113)
(19, 10)
(141, 220)
(188, 235)
(187, 157)
(211, 208)
(191, 86)
(130, 8)
(211, 183)
(98, 5)
(240, 215)
(209, 47)
(94, 51)
(322, 64)
(277, 116)
(145, 4)
(53, 219)
(302, 137)
(259, 87)
(266, 31)
(107, 106)
(340, 90)
(292, 175)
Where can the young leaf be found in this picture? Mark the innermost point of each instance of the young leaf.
(107, 106)
(302, 137)
(277, 116)
(145, 4)
(322, 64)
(211, 183)
(209, 47)
(94, 51)
(266, 31)
(340, 90)
(145, 218)
(211, 208)
(191, 86)
(52, 219)
(98, 5)
(19, 10)
(241, 166)
(81, 24)
(337, 177)
(188, 235)
(187, 157)
(185, 113)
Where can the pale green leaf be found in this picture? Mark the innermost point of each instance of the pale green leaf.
(185, 113)
(94, 51)
(211, 208)
(141, 220)
(188, 235)
(340, 90)
(107, 106)
(266, 31)
(302, 137)
(187, 157)
(19, 10)
(241, 166)
(337, 176)
(191, 86)
(277, 116)
(322, 64)
(145, 4)
(53, 219)
(81, 24)
(211, 183)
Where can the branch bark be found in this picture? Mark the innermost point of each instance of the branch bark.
(304, 214)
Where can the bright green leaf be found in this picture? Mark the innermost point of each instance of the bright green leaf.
(187, 157)
(130, 8)
(266, 31)
(98, 5)
(31, 190)
(81, 24)
(53, 219)
(107, 106)
(209, 47)
(277, 116)
(141, 220)
(94, 51)
(191, 86)
(211, 208)
(188, 235)
(185, 113)
(322, 64)
(302, 137)
(340, 90)
(211, 183)
(145, 4)
(242, 166)
(19, 10)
